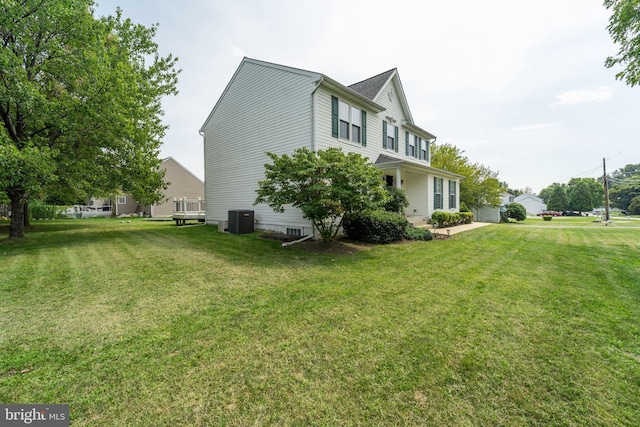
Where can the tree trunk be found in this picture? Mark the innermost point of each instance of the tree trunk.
(27, 222)
(16, 230)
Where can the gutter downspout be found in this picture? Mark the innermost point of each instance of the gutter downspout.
(285, 244)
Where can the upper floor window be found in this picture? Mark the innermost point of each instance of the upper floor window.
(389, 136)
(356, 124)
(424, 150)
(348, 122)
(122, 200)
(344, 120)
(411, 144)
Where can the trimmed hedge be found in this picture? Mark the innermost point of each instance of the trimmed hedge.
(451, 219)
(375, 226)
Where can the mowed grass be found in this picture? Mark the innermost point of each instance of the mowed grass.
(147, 323)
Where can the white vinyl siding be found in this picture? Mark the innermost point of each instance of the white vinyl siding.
(246, 123)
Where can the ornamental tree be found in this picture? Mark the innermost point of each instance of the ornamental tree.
(325, 185)
(480, 187)
(80, 104)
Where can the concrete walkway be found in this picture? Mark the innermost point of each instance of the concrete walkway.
(460, 228)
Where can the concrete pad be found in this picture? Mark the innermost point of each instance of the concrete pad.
(461, 228)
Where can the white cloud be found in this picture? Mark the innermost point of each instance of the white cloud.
(583, 96)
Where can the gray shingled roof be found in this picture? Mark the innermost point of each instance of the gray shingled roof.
(382, 159)
(370, 87)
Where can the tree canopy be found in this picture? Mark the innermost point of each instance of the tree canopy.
(579, 194)
(624, 28)
(624, 186)
(558, 200)
(80, 104)
(480, 187)
(326, 186)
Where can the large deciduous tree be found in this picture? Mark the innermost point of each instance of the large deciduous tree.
(80, 104)
(480, 187)
(555, 196)
(326, 186)
(624, 28)
(625, 186)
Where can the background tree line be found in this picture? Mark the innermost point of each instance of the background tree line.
(585, 194)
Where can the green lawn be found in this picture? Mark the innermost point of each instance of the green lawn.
(146, 323)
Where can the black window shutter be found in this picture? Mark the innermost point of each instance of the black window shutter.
(364, 129)
(406, 143)
(384, 134)
(334, 117)
(396, 138)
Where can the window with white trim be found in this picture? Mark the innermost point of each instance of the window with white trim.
(348, 122)
(411, 149)
(344, 120)
(356, 124)
(424, 150)
(391, 137)
(122, 200)
(437, 193)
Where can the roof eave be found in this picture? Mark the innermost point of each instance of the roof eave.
(418, 129)
(334, 85)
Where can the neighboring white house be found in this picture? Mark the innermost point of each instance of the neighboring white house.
(269, 107)
(534, 205)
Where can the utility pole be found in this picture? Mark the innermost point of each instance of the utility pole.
(606, 191)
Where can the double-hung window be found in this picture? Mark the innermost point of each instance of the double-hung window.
(424, 150)
(452, 194)
(437, 193)
(344, 120)
(356, 124)
(348, 122)
(411, 144)
(389, 136)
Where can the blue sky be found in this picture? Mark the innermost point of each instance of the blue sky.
(519, 86)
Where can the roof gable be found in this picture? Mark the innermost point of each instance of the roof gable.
(245, 60)
(372, 86)
(378, 86)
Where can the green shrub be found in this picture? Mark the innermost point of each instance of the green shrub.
(41, 210)
(375, 226)
(464, 207)
(398, 200)
(516, 211)
(412, 233)
(451, 219)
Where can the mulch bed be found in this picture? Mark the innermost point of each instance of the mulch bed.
(341, 246)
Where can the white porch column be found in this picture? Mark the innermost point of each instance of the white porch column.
(398, 179)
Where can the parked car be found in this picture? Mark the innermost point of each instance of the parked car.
(550, 213)
(571, 213)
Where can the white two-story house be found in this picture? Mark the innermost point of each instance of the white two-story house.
(274, 108)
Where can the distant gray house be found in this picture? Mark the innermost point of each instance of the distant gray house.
(276, 108)
(182, 183)
(533, 204)
(492, 213)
